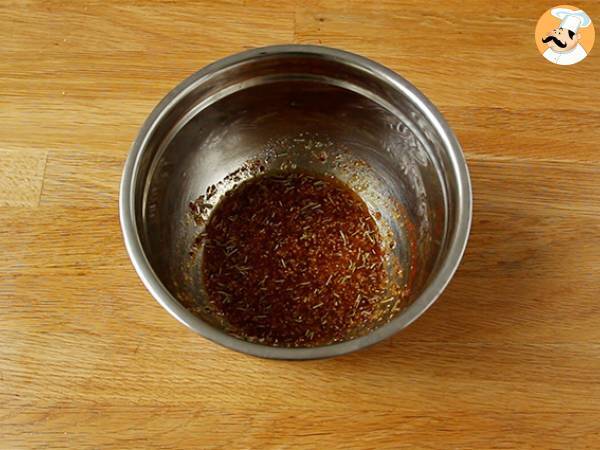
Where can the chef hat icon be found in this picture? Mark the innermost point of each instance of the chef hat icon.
(571, 20)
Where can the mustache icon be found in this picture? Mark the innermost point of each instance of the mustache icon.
(555, 40)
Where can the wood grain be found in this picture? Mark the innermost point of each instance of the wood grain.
(508, 357)
(21, 177)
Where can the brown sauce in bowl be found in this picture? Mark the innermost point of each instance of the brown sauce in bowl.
(293, 259)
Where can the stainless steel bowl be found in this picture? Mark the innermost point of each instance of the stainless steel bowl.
(289, 105)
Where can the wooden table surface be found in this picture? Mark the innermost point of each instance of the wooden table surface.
(508, 357)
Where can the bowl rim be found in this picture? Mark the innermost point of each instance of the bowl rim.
(457, 241)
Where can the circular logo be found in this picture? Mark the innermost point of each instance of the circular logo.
(565, 35)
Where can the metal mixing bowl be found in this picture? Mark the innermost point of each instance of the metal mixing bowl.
(312, 107)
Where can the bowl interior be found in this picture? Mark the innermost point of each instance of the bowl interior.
(302, 111)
